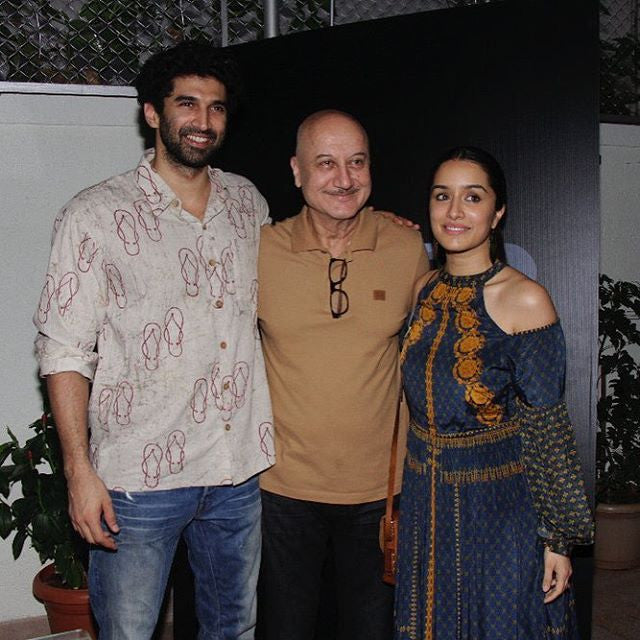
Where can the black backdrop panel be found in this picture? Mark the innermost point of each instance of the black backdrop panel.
(519, 78)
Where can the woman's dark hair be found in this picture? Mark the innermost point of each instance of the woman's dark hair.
(189, 58)
(497, 182)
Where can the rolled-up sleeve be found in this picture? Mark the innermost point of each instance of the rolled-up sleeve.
(71, 307)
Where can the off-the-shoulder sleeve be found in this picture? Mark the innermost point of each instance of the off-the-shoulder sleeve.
(548, 440)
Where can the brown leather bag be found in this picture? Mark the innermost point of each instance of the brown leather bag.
(389, 523)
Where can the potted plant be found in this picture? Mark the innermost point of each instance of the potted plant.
(618, 437)
(39, 513)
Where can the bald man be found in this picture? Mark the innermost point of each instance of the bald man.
(336, 283)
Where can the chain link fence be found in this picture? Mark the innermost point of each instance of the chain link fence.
(620, 58)
(104, 42)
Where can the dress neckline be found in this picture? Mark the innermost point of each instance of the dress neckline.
(473, 279)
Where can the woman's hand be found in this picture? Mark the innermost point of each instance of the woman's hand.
(557, 571)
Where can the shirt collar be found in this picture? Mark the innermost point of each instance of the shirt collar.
(160, 196)
(305, 238)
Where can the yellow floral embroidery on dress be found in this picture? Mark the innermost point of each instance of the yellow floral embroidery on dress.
(426, 315)
(468, 367)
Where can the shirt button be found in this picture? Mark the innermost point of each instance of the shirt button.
(175, 203)
(204, 227)
(227, 427)
(223, 345)
(225, 385)
(219, 304)
(212, 263)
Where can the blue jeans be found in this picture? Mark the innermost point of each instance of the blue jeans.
(221, 526)
(299, 538)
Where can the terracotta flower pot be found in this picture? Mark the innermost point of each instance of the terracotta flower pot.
(617, 536)
(67, 609)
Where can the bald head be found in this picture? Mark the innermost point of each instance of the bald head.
(319, 121)
(331, 165)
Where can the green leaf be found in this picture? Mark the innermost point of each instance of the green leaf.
(6, 448)
(24, 509)
(18, 543)
(6, 521)
(5, 485)
(41, 526)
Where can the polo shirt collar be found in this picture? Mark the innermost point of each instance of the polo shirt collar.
(305, 238)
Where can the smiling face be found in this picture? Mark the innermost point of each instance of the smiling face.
(192, 125)
(331, 166)
(462, 207)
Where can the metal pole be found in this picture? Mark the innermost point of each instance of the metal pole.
(271, 15)
(224, 23)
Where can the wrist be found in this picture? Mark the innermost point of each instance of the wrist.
(78, 468)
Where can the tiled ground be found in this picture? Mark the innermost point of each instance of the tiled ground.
(616, 605)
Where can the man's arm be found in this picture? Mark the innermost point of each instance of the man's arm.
(89, 499)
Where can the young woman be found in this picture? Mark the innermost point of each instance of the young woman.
(492, 498)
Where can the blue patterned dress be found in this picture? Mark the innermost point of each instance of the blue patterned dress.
(491, 474)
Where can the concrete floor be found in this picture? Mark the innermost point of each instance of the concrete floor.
(616, 611)
(616, 605)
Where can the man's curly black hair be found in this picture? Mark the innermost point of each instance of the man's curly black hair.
(189, 58)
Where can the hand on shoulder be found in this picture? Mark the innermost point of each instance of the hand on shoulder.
(396, 219)
(518, 303)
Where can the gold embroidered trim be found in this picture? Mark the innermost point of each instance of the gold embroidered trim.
(428, 378)
(488, 474)
(467, 476)
(426, 315)
(456, 502)
(466, 439)
(417, 466)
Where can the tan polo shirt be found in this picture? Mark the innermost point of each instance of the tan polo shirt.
(334, 382)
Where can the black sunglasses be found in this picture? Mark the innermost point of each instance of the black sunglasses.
(338, 299)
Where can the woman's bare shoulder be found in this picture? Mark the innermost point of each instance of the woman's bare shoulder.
(521, 303)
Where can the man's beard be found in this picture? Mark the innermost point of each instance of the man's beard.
(180, 152)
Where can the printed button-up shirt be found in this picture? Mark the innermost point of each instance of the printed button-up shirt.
(158, 308)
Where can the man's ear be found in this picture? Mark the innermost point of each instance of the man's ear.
(296, 171)
(151, 115)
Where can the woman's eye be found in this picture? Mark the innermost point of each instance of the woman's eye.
(440, 197)
(473, 197)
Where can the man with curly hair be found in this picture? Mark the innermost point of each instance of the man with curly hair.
(147, 338)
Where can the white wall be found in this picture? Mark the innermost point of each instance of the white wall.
(53, 146)
(620, 193)
(50, 148)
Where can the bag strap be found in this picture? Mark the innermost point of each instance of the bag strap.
(393, 460)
